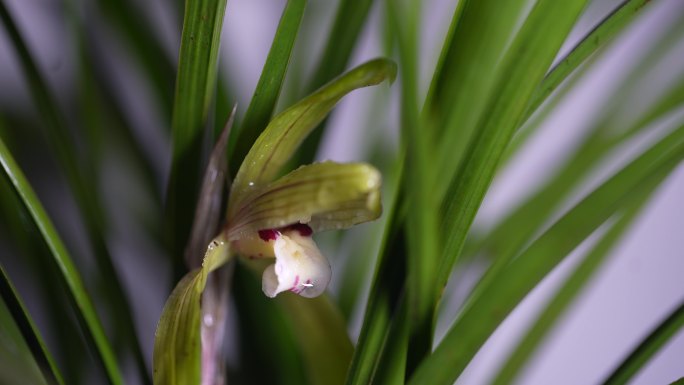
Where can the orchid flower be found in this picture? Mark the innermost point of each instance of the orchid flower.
(276, 217)
(278, 220)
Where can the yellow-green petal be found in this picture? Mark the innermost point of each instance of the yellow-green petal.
(286, 131)
(323, 195)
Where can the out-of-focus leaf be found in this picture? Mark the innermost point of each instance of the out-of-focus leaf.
(270, 83)
(148, 49)
(422, 218)
(85, 310)
(269, 352)
(350, 18)
(642, 353)
(287, 130)
(324, 195)
(79, 174)
(21, 345)
(322, 336)
(489, 305)
(566, 295)
(177, 355)
(195, 83)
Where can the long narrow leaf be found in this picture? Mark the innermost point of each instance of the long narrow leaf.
(350, 18)
(648, 347)
(422, 219)
(604, 31)
(565, 296)
(70, 275)
(528, 59)
(197, 65)
(29, 331)
(78, 176)
(490, 305)
(270, 83)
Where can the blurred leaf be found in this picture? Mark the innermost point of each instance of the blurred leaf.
(325, 196)
(79, 174)
(177, 354)
(131, 24)
(287, 130)
(524, 66)
(27, 355)
(422, 219)
(321, 335)
(195, 82)
(489, 305)
(269, 352)
(85, 310)
(267, 91)
(648, 347)
(565, 296)
(350, 19)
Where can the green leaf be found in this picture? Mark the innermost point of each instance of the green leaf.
(490, 303)
(318, 328)
(268, 88)
(422, 218)
(322, 336)
(195, 82)
(642, 353)
(384, 298)
(350, 19)
(177, 355)
(603, 32)
(466, 76)
(129, 21)
(525, 63)
(566, 295)
(32, 342)
(287, 130)
(79, 175)
(85, 310)
(323, 195)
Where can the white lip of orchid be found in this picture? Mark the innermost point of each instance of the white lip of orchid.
(300, 267)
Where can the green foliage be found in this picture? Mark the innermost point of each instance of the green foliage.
(487, 93)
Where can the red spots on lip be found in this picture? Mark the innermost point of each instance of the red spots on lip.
(272, 234)
(268, 235)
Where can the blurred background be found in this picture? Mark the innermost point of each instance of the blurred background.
(116, 90)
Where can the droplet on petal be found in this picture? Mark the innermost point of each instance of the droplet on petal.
(300, 267)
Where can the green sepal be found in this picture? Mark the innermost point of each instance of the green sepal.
(323, 195)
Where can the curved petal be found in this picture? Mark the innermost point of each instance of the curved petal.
(300, 267)
(323, 195)
(286, 131)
